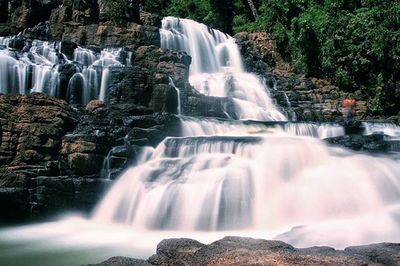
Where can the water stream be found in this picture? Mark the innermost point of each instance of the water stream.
(38, 66)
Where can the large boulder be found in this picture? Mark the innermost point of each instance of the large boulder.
(249, 251)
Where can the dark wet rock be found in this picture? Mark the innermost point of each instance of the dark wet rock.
(147, 82)
(85, 11)
(68, 48)
(49, 195)
(14, 203)
(27, 13)
(40, 31)
(353, 127)
(149, 19)
(17, 43)
(66, 72)
(105, 127)
(376, 143)
(122, 261)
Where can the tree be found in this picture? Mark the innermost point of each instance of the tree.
(252, 8)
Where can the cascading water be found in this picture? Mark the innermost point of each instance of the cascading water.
(247, 175)
(217, 68)
(36, 68)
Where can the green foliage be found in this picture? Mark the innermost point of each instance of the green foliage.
(354, 43)
(214, 13)
(121, 11)
(199, 10)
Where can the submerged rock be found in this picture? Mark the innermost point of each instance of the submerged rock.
(376, 143)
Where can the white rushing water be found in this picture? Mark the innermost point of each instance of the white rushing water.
(37, 69)
(217, 68)
(267, 182)
(210, 127)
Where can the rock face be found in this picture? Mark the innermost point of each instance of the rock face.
(248, 251)
(32, 127)
(31, 131)
(304, 98)
(27, 13)
(105, 34)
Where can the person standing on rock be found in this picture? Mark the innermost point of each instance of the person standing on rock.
(348, 109)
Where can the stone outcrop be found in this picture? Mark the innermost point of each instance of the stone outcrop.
(376, 143)
(260, 53)
(303, 98)
(249, 251)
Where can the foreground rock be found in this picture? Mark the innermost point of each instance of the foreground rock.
(248, 251)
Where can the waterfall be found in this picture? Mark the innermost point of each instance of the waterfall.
(266, 181)
(251, 176)
(178, 95)
(389, 129)
(217, 68)
(36, 69)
